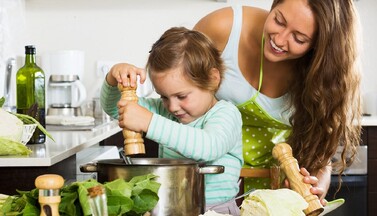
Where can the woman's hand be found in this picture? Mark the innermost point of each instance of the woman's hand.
(125, 74)
(320, 183)
(133, 117)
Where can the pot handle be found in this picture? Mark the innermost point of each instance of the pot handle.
(212, 169)
(89, 167)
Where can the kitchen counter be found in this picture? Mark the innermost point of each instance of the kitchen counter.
(67, 144)
(369, 121)
(59, 157)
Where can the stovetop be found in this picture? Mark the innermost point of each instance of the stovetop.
(360, 164)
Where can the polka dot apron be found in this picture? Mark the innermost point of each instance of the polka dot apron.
(260, 133)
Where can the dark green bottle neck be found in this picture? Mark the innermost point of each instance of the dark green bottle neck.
(29, 59)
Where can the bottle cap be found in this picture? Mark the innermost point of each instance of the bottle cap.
(30, 49)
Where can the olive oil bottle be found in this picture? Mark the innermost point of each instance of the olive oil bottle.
(30, 87)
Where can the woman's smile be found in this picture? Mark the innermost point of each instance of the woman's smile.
(275, 48)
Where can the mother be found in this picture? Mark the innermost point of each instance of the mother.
(293, 74)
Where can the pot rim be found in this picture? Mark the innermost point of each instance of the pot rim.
(150, 162)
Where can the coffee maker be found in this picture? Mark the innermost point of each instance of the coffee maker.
(65, 91)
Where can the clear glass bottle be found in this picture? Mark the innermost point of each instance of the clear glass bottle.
(98, 200)
(31, 94)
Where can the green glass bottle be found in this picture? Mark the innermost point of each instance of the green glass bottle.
(30, 87)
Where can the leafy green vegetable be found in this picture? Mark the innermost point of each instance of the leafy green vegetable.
(30, 120)
(119, 197)
(10, 126)
(10, 147)
(144, 182)
(123, 198)
(144, 201)
(2, 101)
(26, 119)
(144, 192)
(284, 202)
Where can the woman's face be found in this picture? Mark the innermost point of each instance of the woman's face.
(289, 31)
(180, 97)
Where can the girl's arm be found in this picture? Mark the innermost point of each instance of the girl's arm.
(219, 133)
(109, 98)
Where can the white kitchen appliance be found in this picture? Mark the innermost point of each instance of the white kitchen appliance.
(65, 91)
(354, 187)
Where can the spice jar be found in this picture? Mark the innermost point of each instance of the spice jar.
(98, 200)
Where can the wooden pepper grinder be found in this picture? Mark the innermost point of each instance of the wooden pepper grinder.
(133, 141)
(49, 193)
(283, 153)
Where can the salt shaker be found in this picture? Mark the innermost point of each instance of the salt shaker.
(49, 193)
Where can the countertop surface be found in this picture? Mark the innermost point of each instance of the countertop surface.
(369, 121)
(67, 143)
(70, 142)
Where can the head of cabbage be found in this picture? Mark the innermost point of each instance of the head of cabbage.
(11, 127)
(279, 202)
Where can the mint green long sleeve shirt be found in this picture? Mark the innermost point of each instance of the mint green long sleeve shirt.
(215, 138)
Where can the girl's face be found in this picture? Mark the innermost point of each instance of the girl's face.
(289, 31)
(181, 98)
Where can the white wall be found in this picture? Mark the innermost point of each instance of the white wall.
(368, 17)
(111, 30)
(124, 30)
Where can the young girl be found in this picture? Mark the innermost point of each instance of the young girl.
(187, 121)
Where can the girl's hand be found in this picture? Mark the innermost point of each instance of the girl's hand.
(125, 74)
(133, 117)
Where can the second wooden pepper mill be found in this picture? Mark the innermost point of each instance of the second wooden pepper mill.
(283, 153)
(49, 193)
(133, 141)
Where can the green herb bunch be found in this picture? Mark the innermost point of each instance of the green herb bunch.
(133, 198)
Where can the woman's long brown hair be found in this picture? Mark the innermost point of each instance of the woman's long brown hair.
(326, 97)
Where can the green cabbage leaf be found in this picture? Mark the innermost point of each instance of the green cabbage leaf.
(11, 127)
(10, 147)
(135, 197)
(280, 202)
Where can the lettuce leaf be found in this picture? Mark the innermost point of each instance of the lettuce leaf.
(123, 198)
(2, 101)
(10, 147)
(282, 202)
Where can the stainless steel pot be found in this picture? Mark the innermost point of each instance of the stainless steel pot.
(182, 181)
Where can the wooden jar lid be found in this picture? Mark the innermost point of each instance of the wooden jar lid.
(49, 181)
